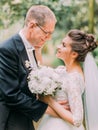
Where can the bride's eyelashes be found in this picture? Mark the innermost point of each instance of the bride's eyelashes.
(63, 44)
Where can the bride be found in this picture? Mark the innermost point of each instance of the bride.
(74, 49)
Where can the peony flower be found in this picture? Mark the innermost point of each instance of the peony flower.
(44, 80)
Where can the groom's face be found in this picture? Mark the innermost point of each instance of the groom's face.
(40, 34)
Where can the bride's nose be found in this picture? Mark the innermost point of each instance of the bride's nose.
(58, 46)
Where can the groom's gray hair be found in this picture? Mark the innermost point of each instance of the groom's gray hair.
(41, 14)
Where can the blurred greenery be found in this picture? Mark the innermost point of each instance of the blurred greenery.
(70, 14)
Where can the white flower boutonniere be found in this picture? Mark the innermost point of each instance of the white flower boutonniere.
(27, 64)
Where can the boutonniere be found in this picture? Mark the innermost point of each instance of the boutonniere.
(27, 64)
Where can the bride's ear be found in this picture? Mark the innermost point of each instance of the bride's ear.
(75, 55)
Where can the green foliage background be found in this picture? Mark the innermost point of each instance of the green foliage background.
(70, 14)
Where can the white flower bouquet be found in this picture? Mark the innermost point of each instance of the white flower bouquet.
(44, 81)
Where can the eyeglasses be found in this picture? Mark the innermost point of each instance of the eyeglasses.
(46, 32)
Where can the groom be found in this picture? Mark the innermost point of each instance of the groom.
(18, 106)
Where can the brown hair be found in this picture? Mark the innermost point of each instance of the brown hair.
(82, 43)
(40, 13)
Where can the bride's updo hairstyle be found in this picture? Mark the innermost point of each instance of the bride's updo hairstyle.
(82, 43)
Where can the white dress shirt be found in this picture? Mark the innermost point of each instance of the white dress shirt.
(29, 49)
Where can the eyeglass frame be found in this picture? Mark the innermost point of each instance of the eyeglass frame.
(46, 32)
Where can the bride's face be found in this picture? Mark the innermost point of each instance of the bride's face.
(64, 51)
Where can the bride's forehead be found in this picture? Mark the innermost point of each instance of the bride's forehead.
(67, 40)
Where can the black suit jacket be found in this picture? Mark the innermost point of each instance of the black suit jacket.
(14, 92)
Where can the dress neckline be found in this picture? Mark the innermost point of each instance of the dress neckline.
(72, 72)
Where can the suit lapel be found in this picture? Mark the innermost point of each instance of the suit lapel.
(24, 58)
(22, 51)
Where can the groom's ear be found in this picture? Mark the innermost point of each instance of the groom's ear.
(32, 24)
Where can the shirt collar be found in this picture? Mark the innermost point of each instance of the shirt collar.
(25, 41)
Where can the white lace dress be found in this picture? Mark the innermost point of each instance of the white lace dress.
(72, 92)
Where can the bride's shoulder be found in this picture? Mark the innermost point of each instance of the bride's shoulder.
(61, 67)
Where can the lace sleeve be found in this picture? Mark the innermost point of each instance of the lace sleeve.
(75, 99)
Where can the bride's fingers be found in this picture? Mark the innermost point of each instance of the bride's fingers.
(64, 102)
(67, 107)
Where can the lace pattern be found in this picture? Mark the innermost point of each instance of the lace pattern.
(73, 89)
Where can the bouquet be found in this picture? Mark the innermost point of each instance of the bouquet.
(44, 80)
